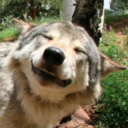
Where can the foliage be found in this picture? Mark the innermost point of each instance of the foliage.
(108, 36)
(125, 32)
(112, 16)
(10, 31)
(6, 24)
(54, 3)
(46, 20)
(29, 9)
(114, 112)
(119, 6)
(113, 105)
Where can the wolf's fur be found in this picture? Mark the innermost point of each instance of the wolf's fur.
(32, 100)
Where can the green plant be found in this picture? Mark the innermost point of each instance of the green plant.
(113, 16)
(108, 47)
(8, 32)
(113, 104)
(44, 20)
(7, 23)
(108, 37)
(114, 112)
(125, 31)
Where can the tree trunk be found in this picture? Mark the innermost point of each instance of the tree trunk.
(88, 14)
(38, 8)
(68, 9)
(32, 10)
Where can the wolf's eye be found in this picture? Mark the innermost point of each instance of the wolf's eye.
(79, 50)
(46, 36)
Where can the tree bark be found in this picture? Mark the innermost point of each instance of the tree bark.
(88, 14)
(32, 10)
(68, 9)
(38, 9)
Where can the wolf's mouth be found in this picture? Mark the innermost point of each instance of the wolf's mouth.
(51, 76)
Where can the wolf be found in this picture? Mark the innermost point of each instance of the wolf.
(48, 72)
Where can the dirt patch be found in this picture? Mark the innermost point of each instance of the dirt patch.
(118, 26)
(121, 38)
(82, 118)
(9, 39)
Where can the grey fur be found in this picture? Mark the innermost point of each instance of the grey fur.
(27, 103)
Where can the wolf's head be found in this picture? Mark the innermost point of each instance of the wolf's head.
(59, 59)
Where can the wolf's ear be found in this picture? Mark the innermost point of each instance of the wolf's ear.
(109, 66)
(22, 26)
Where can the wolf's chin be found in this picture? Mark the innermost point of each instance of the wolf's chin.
(50, 76)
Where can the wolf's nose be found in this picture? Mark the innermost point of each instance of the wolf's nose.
(54, 56)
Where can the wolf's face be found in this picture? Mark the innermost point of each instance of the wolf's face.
(59, 59)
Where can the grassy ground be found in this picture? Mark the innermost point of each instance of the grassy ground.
(8, 32)
(113, 104)
(11, 31)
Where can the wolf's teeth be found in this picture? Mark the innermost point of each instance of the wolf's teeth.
(51, 73)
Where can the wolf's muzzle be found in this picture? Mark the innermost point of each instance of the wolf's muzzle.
(53, 55)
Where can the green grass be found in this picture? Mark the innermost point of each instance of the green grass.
(114, 113)
(8, 32)
(125, 31)
(108, 47)
(12, 31)
(46, 20)
(114, 99)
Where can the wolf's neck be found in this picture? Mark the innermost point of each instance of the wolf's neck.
(14, 115)
(36, 111)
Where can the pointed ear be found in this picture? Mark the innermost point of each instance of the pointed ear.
(22, 26)
(109, 66)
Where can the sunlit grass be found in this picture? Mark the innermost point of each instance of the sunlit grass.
(114, 98)
(46, 20)
(8, 32)
(12, 31)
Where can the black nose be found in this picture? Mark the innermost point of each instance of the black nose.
(54, 56)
